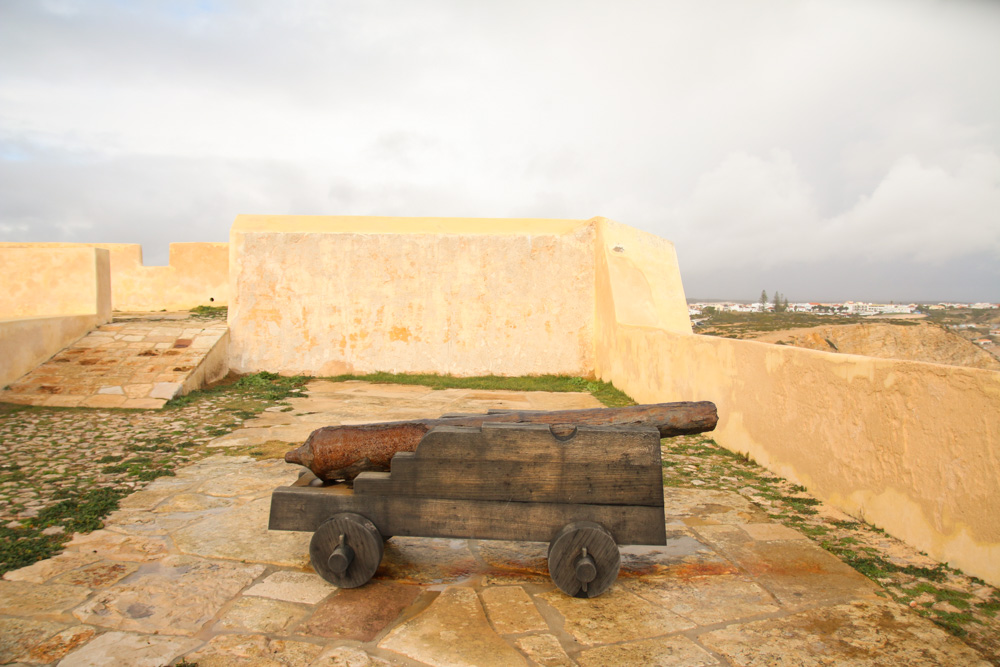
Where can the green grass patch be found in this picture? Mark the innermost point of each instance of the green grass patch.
(76, 513)
(211, 312)
(605, 392)
(248, 391)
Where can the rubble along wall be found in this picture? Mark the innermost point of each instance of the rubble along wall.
(197, 275)
(911, 447)
(324, 296)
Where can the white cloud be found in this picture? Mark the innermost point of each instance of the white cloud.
(759, 211)
(925, 213)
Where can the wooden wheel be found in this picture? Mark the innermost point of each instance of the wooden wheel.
(346, 550)
(583, 559)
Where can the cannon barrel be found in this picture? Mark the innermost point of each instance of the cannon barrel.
(343, 452)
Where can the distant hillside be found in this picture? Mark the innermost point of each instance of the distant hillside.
(914, 342)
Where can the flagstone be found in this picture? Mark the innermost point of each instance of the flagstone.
(97, 574)
(421, 560)
(257, 614)
(176, 595)
(677, 651)
(360, 613)
(103, 401)
(772, 531)
(44, 570)
(544, 650)
(190, 502)
(733, 597)
(18, 635)
(253, 649)
(511, 611)
(302, 587)
(63, 400)
(514, 562)
(796, 572)
(347, 656)
(453, 630)
(874, 633)
(260, 479)
(240, 533)
(117, 546)
(156, 493)
(708, 506)
(23, 598)
(58, 645)
(615, 616)
(123, 648)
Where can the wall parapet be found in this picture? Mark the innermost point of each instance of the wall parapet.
(911, 447)
(197, 275)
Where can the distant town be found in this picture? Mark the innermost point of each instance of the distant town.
(817, 308)
(979, 323)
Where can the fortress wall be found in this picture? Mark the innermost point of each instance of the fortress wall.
(911, 447)
(55, 281)
(27, 342)
(330, 295)
(49, 298)
(198, 274)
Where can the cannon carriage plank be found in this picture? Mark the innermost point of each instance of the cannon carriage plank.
(571, 483)
(306, 508)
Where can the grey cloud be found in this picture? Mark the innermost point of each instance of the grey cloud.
(760, 137)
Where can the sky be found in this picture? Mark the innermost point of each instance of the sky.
(830, 150)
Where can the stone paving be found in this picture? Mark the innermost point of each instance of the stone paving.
(134, 362)
(186, 570)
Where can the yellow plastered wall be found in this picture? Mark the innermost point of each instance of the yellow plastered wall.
(55, 281)
(49, 297)
(197, 275)
(329, 295)
(911, 447)
(29, 341)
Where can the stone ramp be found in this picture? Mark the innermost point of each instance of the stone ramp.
(138, 361)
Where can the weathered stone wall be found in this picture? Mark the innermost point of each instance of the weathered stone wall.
(197, 275)
(330, 295)
(911, 447)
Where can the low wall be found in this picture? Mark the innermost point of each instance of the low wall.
(911, 447)
(25, 343)
(197, 275)
(331, 295)
(55, 281)
(49, 298)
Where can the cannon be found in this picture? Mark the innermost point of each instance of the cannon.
(583, 489)
(343, 452)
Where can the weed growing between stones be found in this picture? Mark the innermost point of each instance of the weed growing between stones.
(210, 312)
(43, 536)
(965, 606)
(51, 454)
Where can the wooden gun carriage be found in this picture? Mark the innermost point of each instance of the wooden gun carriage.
(583, 489)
